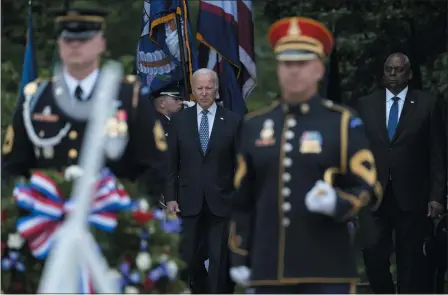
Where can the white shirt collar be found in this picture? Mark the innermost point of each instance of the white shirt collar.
(211, 109)
(87, 84)
(401, 95)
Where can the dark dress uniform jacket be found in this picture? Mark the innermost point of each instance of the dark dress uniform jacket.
(166, 123)
(144, 156)
(284, 151)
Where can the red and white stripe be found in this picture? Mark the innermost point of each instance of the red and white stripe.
(240, 13)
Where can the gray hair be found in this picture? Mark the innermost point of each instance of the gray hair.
(407, 62)
(205, 71)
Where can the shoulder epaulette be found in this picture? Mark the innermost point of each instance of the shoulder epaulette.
(262, 111)
(31, 87)
(336, 107)
(130, 79)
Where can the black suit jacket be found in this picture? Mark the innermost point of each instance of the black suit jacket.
(194, 175)
(415, 158)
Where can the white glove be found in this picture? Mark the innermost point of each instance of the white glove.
(240, 275)
(321, 199)
(188, 103)
(172, 41)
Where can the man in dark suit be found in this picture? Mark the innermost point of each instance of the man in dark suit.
(202, 152)
(406, 139)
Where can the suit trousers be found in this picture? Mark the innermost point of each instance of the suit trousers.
(213, 228)
(306, 288)
(402, 231)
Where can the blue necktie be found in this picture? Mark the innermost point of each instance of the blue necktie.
(203, 130)
(393, 118)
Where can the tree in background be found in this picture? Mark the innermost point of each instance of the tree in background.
(368, 31)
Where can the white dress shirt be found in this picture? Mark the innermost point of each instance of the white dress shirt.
(389, 102)
(210, 115)
(87, 84)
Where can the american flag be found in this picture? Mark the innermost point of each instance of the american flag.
(225, 30)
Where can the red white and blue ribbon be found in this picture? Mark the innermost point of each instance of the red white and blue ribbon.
(42, 197)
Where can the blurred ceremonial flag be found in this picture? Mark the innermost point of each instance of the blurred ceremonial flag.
(29, 70)
(225, 30)
(159, 61)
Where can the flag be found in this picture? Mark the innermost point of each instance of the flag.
(232, 56)
(158, 52)
(29, 70)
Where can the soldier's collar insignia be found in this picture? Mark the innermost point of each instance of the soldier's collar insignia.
(311, 142)
(266, 134)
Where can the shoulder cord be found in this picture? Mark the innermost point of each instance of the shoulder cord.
(36, 140)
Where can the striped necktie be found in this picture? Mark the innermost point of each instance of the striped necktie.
(203, 130)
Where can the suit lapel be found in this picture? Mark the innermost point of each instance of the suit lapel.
(409, 105)
(380, 105)
(218, 124)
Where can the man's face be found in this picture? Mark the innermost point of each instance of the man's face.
(204, 89)
(171, 104)
(78, 53)
(396, 73)
(299, 76)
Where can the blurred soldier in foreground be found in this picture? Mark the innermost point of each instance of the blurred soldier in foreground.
(304, 170)
(48, 129)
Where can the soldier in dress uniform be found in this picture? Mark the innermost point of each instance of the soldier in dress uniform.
(48, 129)
(167, 102)
(304, 170)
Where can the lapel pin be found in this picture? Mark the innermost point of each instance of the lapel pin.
(412, 101)
(221, 118)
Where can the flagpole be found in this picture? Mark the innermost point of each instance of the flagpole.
(182, 54)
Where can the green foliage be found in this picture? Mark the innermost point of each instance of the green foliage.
(267, 85)
(368, 31)
(122, 246)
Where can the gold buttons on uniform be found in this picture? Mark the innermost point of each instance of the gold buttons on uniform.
(304, 108)
(73, 135)
(286, 207)
(291, 122)
(286, 192)
(289, 135)
(72, 153)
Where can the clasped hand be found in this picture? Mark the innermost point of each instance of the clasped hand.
(321, 199)
(173, 207)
